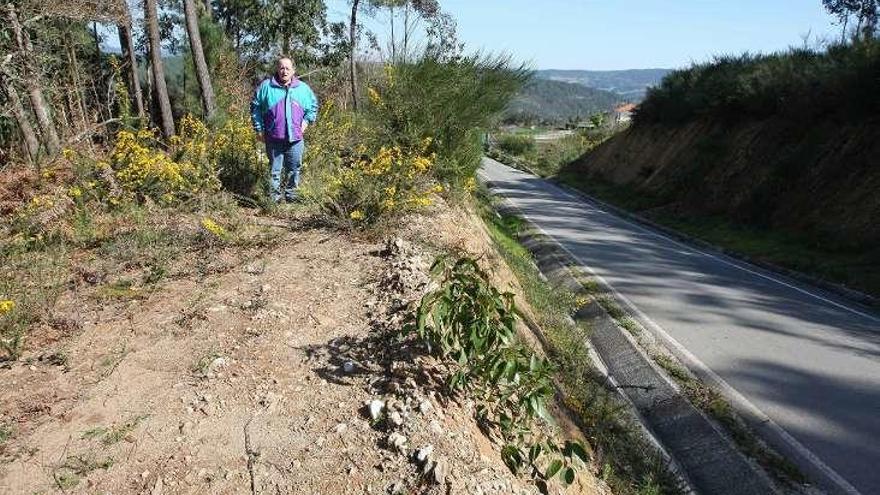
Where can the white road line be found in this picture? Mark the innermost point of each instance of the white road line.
(727, 262)
(742, 403)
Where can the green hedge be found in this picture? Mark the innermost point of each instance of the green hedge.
(841, 82)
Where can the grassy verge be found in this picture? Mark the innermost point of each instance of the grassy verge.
(544, 158)
(628, 463)
(857, 269)
(718, 408)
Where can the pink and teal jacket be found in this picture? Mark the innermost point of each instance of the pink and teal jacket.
(277, 111)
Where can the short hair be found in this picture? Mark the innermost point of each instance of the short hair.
(284, 57)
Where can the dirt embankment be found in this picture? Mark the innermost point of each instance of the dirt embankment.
(259, 378)
(819, 182)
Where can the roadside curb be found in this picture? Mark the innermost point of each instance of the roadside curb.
(703, 454)
(869, 302)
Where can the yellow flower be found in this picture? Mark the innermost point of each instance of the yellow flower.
(389, 74)
(419, 201)
(6, 306)
(470, 184)
(421, 163)
(68, 153)
(357, 215)
(374, 96)
(74, 192)
(387, 204)
(212, 227)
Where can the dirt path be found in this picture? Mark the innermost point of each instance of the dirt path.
(250, 381)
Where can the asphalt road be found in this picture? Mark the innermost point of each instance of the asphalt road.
(806, 360)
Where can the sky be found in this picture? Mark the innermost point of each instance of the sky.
(627, 34)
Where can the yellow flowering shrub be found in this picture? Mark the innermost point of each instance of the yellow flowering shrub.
(6, 306)
(382, 183)
(213, 231)
(356, 177)
(142, 169)
(234, 154)
(199, 161)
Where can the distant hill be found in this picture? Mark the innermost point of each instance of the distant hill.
(555, 102)
(630, 84)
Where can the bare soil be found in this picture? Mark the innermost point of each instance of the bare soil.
(254, 379)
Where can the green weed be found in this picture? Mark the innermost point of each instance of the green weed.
(471, 323)
(119, 431)
(6, 433)
(629, 464)
(119, 290)
(69, 474)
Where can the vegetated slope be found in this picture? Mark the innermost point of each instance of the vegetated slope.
(787, 143)
(630, 84)
(556, 102)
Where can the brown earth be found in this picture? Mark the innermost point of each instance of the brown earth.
(254, 379)
(819, 182)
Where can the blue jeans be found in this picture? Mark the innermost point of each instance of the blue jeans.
(288, 157)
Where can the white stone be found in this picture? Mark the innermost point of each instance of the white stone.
(396, 418)
(376, 407)
(424, 453)
(397, 441)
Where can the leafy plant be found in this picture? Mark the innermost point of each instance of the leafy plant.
(472, 323)
(560, 462)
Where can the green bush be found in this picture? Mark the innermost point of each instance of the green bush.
(418, 134)
(516, 144)
(800, 84)
(450, 102)
(356, 180)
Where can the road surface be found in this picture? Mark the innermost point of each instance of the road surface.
(802, 358)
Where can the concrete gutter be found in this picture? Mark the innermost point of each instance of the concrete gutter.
(706, 458)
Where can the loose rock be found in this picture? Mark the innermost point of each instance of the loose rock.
(397, 441)
(376, 407)
(396, 418)
(424, 453)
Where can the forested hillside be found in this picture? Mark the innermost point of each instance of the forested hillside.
(631, 84)
(555, 102)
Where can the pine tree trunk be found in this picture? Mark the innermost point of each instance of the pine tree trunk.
(353, 67)
(97, 42)
(195, 46)
(406, 29)
(35, 91)
(160, 89)
(77, 108)
(127, 45)
(31, 144)
(393, 43)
